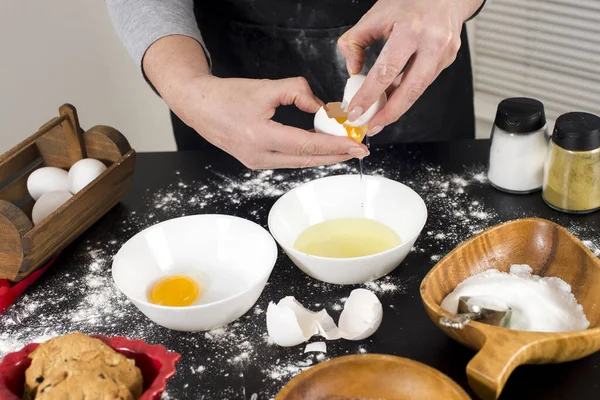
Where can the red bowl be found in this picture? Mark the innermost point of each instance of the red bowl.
(156, 363)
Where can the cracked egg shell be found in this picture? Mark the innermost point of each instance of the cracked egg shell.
(325, 124)
(290, 324)
(353, 84)
(361, 316)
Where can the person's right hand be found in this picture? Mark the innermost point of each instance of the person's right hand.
(235, 115)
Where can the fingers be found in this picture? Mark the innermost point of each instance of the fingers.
(390, 63)
(419, 75)
(298, 142)
(353, 42)
(295, 91)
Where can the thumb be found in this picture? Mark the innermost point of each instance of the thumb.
(296, 91)
(353, 43)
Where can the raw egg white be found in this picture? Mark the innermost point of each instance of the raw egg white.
(47, 204)
(332, 120)
(83, 172)
(45, 180)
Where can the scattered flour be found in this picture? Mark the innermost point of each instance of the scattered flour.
(283, 371)
(81, 300)
(538, 304)
(384, 285)
(85, 299)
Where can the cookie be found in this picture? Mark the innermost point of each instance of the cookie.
(70, 360)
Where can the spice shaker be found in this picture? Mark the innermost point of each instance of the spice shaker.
(572, 171)
(519, 146)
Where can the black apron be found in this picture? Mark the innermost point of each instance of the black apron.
(280, 38)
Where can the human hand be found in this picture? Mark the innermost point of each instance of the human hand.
(235, 115)
(426, 32)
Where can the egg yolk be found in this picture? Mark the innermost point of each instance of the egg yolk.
(356, 133)
(175, 291)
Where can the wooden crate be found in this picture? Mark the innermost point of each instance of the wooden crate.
(59, 143)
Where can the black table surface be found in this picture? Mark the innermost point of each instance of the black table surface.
(245, 365)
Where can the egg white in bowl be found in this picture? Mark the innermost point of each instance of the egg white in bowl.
(348, 196)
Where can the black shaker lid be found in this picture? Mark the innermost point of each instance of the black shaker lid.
(520, 115)
(577, 131)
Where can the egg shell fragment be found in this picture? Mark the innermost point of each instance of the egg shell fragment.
(45, 180)
(283, 326)
(47, 204)
(316, 347)
(83, 172)
(353, 84)
(361, 316)
(289, 323)
(324, 124)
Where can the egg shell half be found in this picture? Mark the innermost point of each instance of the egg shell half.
(47, 204)
(83, 172)
(361, 316)
(353, 84)
(290, 324)
(47, 179)
(324, 124)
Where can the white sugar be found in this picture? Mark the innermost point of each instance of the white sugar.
(541, 304)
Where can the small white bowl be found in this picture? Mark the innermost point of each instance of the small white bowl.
(345, 196)
(230, 256)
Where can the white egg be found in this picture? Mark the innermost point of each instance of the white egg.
(353, 84)
(290, 324)
(45, 180)
(324, 124)
(47, 204)
(361, 316)
(83, 172)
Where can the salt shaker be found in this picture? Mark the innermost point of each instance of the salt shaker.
(519, 146)
(572, 171)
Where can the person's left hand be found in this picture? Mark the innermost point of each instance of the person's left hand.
(426, 32)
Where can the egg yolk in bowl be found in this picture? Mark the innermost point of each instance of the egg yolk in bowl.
(175, 291)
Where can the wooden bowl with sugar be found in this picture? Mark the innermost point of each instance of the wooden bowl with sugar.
(371, 376)
(59, 143)
(551, 251)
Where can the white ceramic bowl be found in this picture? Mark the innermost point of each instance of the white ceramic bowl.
(345, 196)
(231, 257)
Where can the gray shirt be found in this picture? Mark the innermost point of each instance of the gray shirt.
(139, 23)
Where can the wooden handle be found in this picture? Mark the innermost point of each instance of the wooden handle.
(489, 370)
(73, 133)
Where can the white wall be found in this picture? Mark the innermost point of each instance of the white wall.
(59, 51)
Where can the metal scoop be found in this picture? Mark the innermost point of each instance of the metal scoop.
(487, 310)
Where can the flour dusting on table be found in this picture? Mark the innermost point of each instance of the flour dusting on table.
(84, 298)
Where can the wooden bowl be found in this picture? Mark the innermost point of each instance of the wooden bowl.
(551, 251)
(371, 376)
(59, 143)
